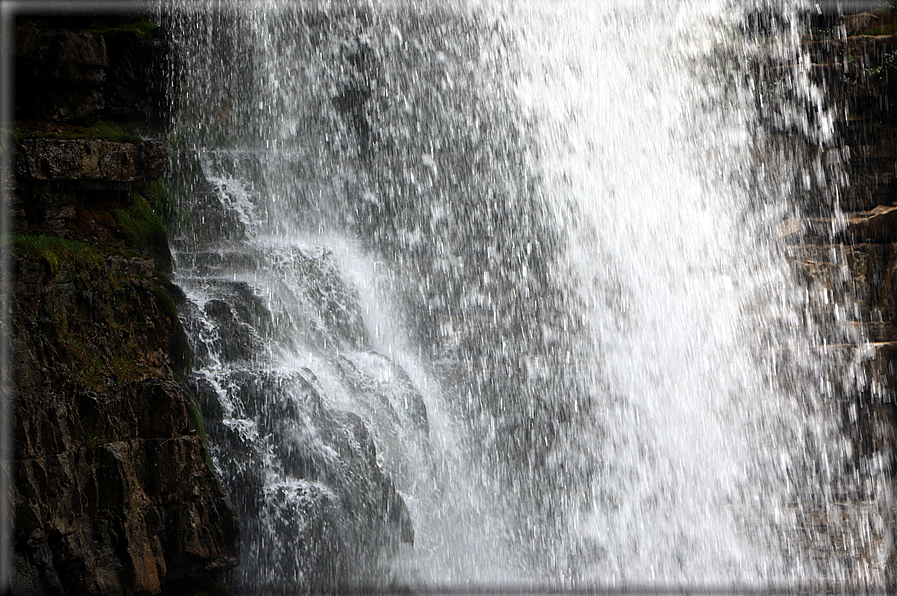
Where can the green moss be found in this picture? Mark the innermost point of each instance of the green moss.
(196, 423)
(102, 129)
(137, 27)
(163, 201)
(178, 346)
(53, 251)
(889, 29)
(94, 313)
(145, 230)
(158, 195)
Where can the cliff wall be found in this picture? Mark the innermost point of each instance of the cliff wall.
(113, 490)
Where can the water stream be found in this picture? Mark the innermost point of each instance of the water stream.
(534, 247)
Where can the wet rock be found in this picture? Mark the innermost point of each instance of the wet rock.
(89, 160)
(60, 55)
(112, 493)
(136, 80)
(236, 340)
(321, 506)
(855, 24)
(61, 74)
(110, 477)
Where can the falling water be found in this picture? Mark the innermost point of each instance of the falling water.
(536, 249)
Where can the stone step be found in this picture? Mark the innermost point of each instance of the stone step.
(848, 533)
(876, 226)
(858, 277)
(876, 331)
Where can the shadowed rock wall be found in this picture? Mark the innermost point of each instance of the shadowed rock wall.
(113, 490)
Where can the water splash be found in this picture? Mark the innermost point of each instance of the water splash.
(536, 249)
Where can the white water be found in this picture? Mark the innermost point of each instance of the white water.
(556, 223)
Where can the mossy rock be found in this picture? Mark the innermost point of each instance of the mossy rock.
(194, 415)
(124, 132)
(179, 345)
(145, 230)
(90, 311)
(55, 252)
(889, 29)
(136, 27)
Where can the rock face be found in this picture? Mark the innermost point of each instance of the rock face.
(854, 257)
(317, 506)
(109, 68)
(89, 159)
(113, 492)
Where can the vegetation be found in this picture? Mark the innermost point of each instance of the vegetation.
(163, 201)
(194, 415)
(179, 346)
(137, 27)
(83, 299)
(889, 29)
(102, 129)
(145, 230)
(53, 252)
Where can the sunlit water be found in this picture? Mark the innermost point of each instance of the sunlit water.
(534, 246)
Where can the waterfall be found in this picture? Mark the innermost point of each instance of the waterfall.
(515, 275)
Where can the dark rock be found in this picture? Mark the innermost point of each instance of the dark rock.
(328, 512)
(109, 476)
(60, 55)
(237, 339)
(59, 74)
(89, 160)
(112, 493)
(136, 81)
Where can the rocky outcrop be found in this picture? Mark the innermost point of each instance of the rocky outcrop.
(89, 159)
(852, 258)
(113, 491)
(76, 69)
(317, 507)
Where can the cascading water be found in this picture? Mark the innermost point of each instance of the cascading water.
(531, 253)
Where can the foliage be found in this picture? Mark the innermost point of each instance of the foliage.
(889, 29)
(101, 129)
(137, 27)
(53, 251)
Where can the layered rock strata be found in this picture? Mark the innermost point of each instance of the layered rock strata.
(851, 254)
(113, 492)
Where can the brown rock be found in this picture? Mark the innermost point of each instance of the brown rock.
(111, 490)
(855, 24)
(60, 54)
(89, 160)
(112, 494)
